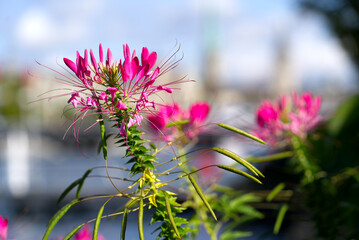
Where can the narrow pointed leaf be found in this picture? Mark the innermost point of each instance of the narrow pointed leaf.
(82, 182)
(177, 124)
(140, 220)
(241, 132)
(169, 212)
(278, 223)
(75, 230)
(67, 190)
(239, 160)
(201, 195)
(240, 172)
(53, 221)
(124, 224)
(103, 137)
(97, 223)
(275, 192)
(272, 157)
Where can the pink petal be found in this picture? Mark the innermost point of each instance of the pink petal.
(131, 122)
(199, 112)
(152, 59)
(126, 51)
(120, 105)
(112, 91)
(109, 57)
(75, 102)
(134, 67)
(167, 89)
(85, 58)
(70, 64)
(93, 61)
(138, 119)
(155, 74)
(142, 72)
(102, 96)
(144, 56)
(101, 53)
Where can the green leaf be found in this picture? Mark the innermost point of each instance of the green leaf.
(275, 192)
(103, 137)
(233, 235)
(241, 132)
(239, 160)
(124, 224)
(81, 183)
(53, 221)
(67, 190)
(75, 230)
(170, 217)
(269, 158)
(177, 123)
(201, 195)
(280, 217)
(97, 223)
(237, 171)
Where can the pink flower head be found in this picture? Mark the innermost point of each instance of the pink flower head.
(86, 234)
(4, 222)
(120, 90)
(297, 114)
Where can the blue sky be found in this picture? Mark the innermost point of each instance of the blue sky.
(243, 33)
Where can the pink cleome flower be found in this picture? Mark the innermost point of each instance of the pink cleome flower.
(4, 222)
(296, 114)
(119, 90)
(171, 121)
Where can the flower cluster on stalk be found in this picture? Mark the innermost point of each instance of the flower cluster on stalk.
(171, 121)
(120, 90)
(296, 114)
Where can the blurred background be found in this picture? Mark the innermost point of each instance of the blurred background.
(238, 52)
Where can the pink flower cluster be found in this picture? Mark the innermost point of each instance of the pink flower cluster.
(4, 222)
(297, 114)
(115, 88)
(171, 121)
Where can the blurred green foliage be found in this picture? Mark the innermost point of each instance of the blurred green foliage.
(333, 196)
(10, 92)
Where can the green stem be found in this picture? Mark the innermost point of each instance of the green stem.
(198, 203)
(302, 158)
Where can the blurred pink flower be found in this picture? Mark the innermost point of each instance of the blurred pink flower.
(86, 234)
(199, 112)
(186, 122)
(4, 222)
(269, 125)
(295, 114)
(306, 115)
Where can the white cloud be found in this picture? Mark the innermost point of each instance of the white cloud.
(34, 29)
